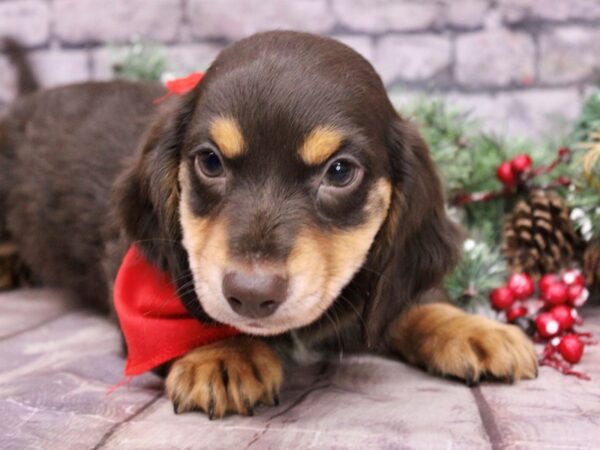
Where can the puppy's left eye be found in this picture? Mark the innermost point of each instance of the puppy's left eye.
(341, 173)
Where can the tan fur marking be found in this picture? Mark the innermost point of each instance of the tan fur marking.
(327, 260)
(448, 341)
(227, 134)
(320, 144)
(254, 374)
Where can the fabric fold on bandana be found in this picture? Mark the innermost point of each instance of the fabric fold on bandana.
(156, 325)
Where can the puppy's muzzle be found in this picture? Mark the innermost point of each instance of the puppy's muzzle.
(254, 295)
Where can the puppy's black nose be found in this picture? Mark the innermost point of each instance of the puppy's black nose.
(254, 295)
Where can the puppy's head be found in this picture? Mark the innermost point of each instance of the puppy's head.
(283, 176)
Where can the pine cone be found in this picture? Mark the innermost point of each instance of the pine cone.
(591, 266)
(539, 237)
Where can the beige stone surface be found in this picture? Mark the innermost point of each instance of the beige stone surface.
(233, 19)
(569, 54)
(495, 58)
(412, 58)
(26, 20)
(92, 21)
(481, 49)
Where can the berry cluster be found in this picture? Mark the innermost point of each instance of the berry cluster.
(509, 172)
(549, 316)
(520, 170)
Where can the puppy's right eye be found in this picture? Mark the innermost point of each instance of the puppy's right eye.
(209, 163)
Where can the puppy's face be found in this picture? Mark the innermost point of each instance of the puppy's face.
(280, 199)
(281, 174)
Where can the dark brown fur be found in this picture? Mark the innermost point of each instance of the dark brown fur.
(86, 170)
(60, 152)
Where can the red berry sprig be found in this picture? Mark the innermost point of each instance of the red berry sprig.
(511, 172)
(550, 316)
(506, 174)
(522, 285)
(571, 348)
(517, 175)
(502, 298)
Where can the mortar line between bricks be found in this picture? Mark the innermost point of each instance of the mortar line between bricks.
(488, 419)
(112, 430)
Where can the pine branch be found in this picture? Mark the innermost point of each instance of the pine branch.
(480, 270)
(141, 60)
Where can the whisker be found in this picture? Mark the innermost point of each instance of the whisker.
(337, 333)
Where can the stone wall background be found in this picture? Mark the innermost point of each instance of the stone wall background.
(522, 66)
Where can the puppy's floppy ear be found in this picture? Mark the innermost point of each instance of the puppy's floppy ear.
(147, 193)
(418, 244)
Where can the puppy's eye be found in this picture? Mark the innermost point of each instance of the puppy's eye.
(340, 173)
(209, 163)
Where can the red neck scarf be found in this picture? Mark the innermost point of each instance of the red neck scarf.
(156, 325)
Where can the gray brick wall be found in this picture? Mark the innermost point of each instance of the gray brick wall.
(522, 66)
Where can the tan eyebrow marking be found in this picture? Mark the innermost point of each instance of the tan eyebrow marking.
(321, 143)
(227, 134)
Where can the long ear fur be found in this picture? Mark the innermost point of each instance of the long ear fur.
(147, 193)
(418, 244)
(147, 198)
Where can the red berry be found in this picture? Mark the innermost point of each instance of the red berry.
(571, 348)
(556, 294)
(574, 291)
(573, 277)
(521, 285)
(502, 298)
(505, 174)
(521, 163)
(547, 326)
(577, 295)
(564, 316)
(515, 312)
(546, 281)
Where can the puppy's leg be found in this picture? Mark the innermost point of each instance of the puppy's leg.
(448, 341)
(232, 375)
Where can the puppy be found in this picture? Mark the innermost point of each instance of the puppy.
(284, 196)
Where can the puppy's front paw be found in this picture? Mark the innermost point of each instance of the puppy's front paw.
(232, 375)
(448, 341)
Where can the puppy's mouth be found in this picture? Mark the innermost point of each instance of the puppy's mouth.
(259, 304)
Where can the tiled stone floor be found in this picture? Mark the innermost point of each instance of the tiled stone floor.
(58, 362)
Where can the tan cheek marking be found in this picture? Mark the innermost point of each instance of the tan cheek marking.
(328, 259)
(349, 248)
(227, 134)
(201, 236)
(320, 144)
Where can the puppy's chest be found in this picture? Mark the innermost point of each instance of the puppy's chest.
(300, 352)
(309, 346)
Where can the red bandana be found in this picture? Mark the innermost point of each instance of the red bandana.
(156, 325)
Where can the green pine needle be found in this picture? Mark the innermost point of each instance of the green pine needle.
(141, 60)
(480, 270)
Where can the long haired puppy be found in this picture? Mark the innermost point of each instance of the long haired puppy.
(282, 192)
